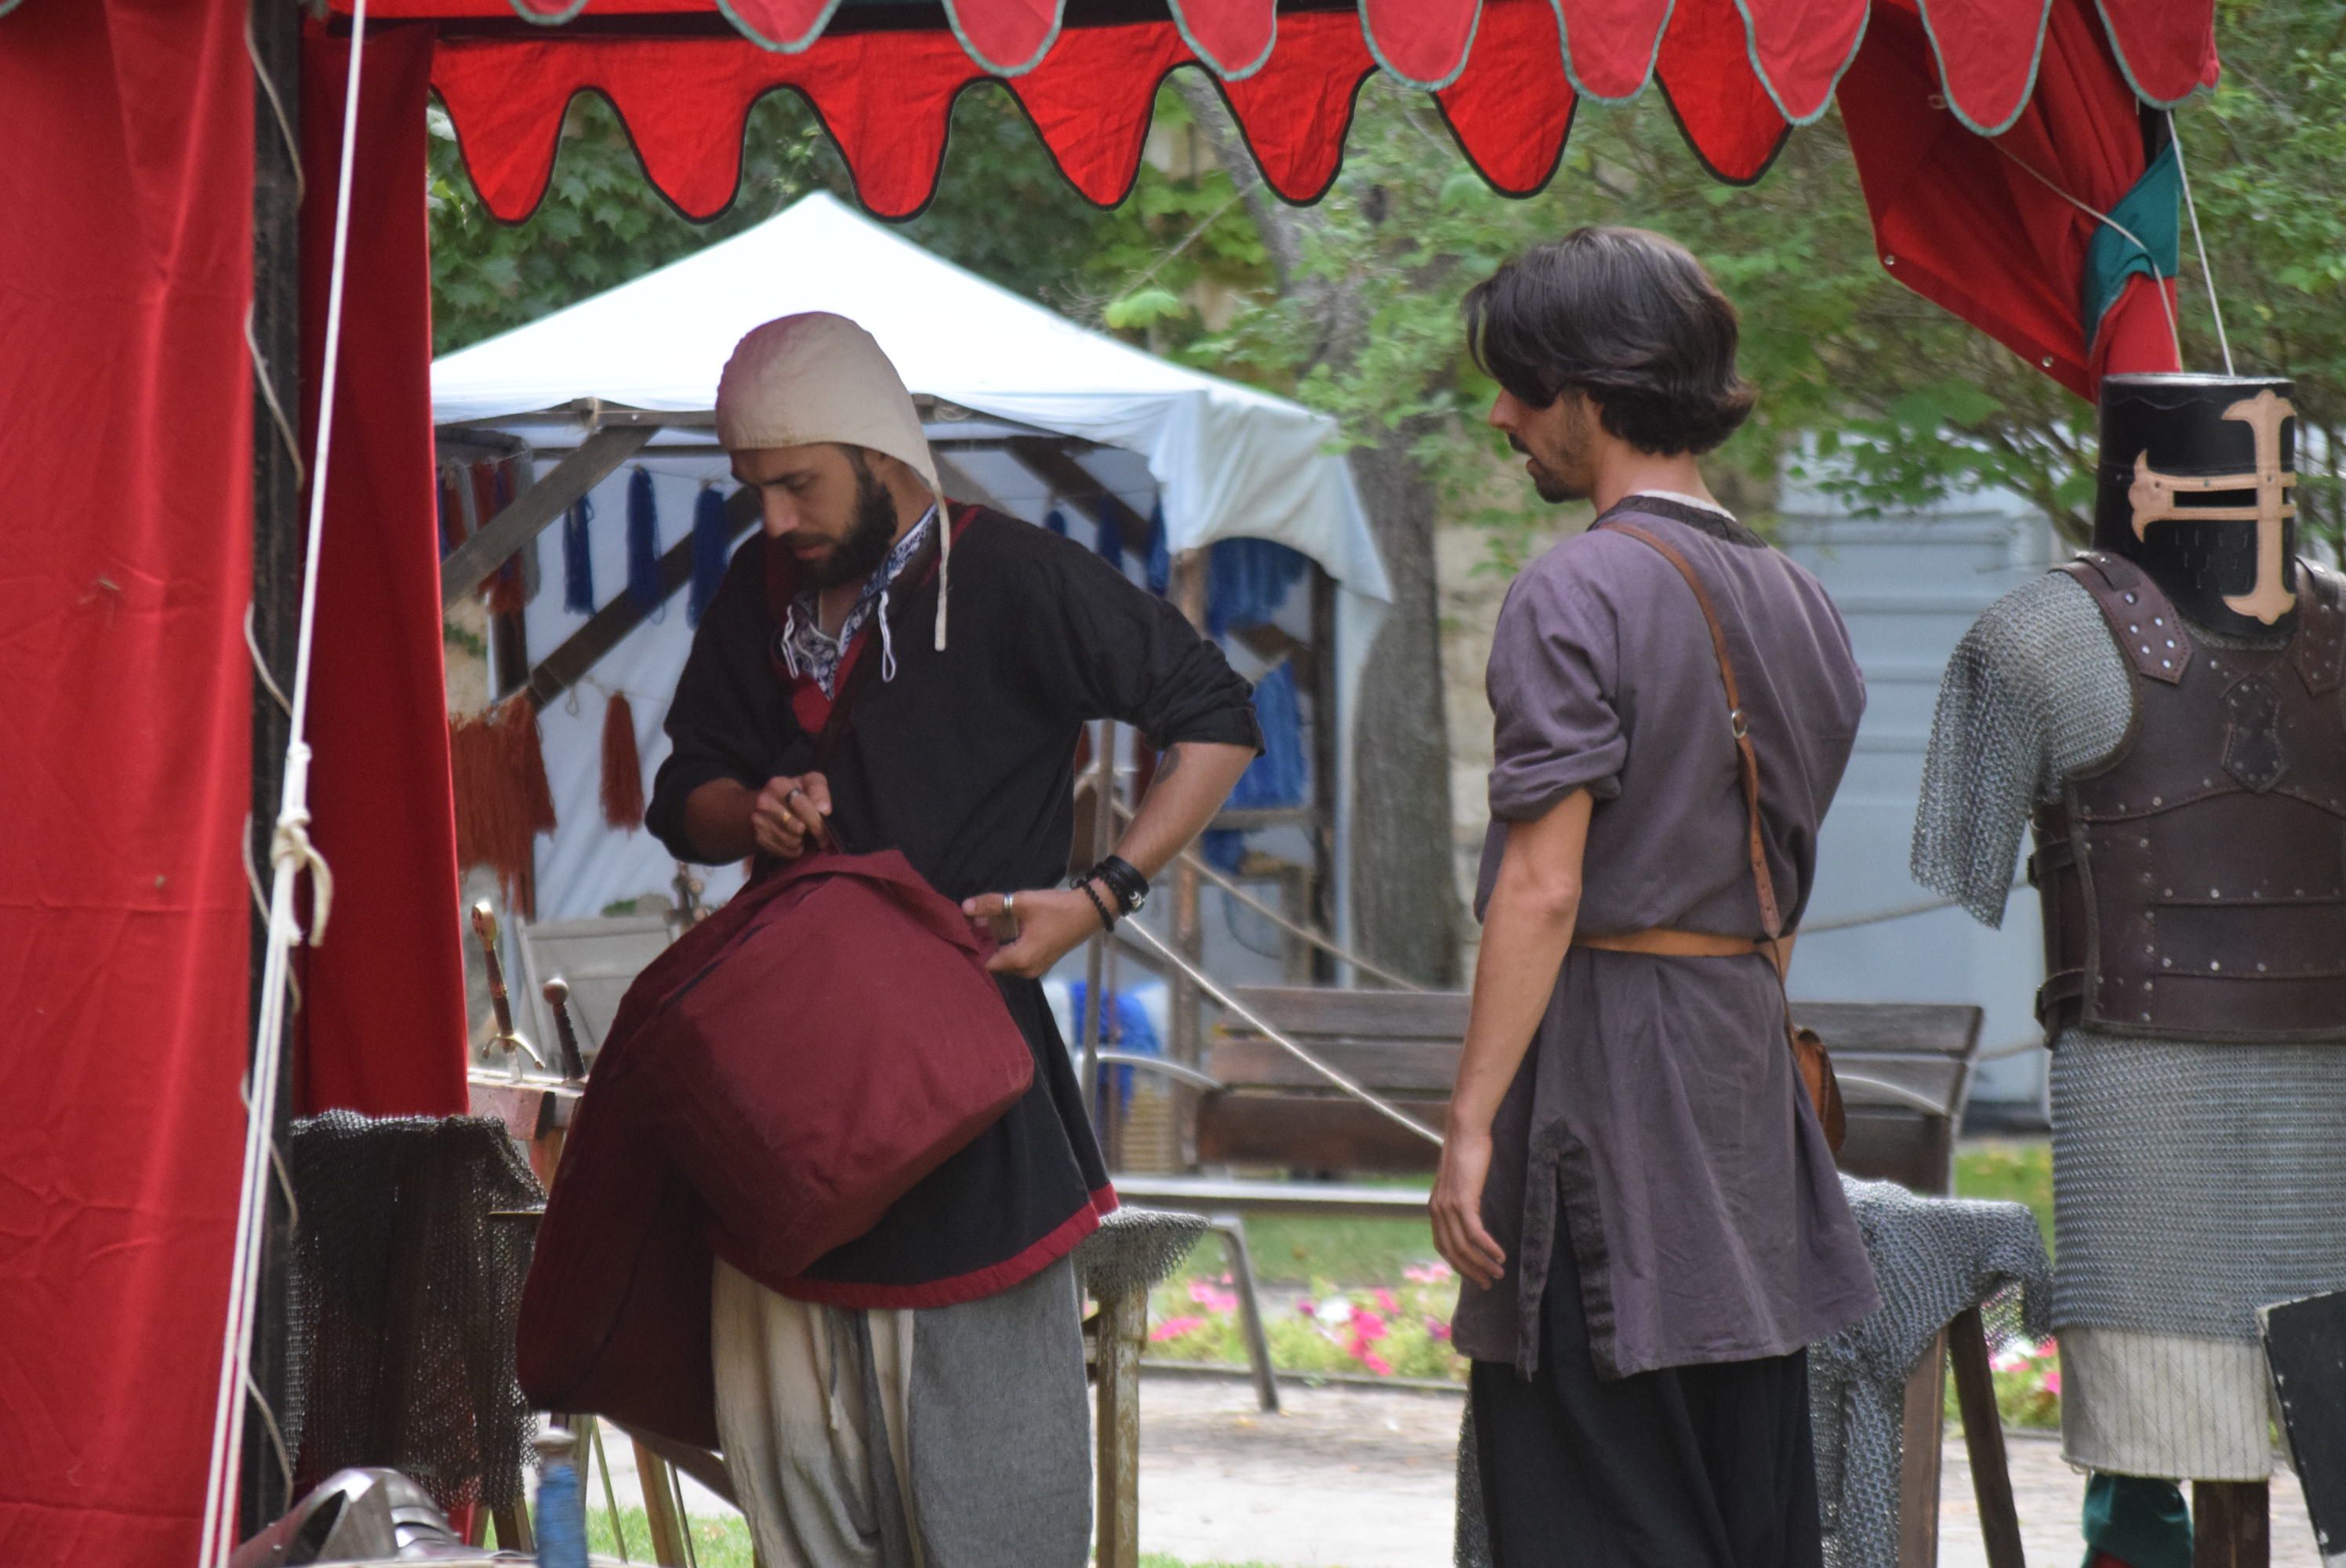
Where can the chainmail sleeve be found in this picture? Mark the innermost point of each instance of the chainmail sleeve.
(2033, 692)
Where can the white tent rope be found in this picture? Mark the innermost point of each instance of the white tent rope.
(290, 853)
(2173, 331)
(1189, 857)
(1133, 931)
(2199, 243)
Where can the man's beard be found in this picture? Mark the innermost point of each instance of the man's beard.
(1552, 489)
(859, 555)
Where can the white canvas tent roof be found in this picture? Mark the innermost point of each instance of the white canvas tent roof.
(1230, 460)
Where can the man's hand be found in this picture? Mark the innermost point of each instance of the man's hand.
(789, 814)
(1457, 1207)
(1050, 923)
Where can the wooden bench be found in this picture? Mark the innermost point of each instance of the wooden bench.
(1905, 1073)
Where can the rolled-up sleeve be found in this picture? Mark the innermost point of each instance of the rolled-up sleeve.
(1103, 648)
(1556, 726)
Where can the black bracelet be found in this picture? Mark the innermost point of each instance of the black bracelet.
(1107, 921)
(1124, 879)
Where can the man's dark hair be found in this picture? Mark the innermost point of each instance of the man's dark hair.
(1625, 316)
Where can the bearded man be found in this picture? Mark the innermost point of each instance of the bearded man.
(1633, 1183)
(916, 1396)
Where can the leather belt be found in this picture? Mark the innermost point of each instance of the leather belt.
(1660, 942)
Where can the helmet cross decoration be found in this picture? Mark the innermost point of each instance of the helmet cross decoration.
(2154, 495)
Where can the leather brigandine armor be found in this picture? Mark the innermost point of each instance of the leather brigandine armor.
(2194, 884)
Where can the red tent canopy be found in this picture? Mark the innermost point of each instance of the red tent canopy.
(126, 417)
(1508, 73)
(1978, 234)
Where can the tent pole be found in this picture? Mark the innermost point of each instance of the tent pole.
(264, 1491)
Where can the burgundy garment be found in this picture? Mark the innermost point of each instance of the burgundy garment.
(759, 1098)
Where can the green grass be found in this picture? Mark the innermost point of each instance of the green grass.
(2016, 1170)
(722, 1543)
(1349, 1251)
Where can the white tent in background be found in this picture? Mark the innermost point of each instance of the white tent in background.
(1221, 461)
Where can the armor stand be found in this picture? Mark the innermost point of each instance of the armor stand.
(2231, 1524)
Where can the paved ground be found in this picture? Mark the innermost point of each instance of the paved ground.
(1362, 1478)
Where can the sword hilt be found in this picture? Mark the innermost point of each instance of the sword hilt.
(556, 992)
(484, 926)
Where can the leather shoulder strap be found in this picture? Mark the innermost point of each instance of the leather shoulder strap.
(2321, 651)
(2140, 617)
(1771, 917)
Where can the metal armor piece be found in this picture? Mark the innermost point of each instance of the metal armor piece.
(357, 1516)
(2194, 485)
(2194, 884)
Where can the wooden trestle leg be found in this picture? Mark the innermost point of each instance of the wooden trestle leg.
(2231, 1524)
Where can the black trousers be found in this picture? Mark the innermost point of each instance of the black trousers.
(1688, 1467)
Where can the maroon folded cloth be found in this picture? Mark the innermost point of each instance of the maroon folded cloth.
(772, 1085)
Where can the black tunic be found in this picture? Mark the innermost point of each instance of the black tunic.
(964, 761)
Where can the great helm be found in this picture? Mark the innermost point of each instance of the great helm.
(2195, 482)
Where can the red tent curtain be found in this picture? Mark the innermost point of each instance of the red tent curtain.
(1975, 224)
(125, 723)
(382, 1021)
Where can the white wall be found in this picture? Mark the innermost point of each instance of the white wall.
(1909, 588)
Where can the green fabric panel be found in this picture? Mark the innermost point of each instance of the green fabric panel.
(2141, 1522)
(2150, 211)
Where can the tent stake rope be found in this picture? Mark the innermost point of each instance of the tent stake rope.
(2199, 243)
(291, 854)
(1133, 931)
(2174, 331)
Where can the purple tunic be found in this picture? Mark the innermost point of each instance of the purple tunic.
(1658, 1108)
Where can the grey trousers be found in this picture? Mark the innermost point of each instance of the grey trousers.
(948, 1437)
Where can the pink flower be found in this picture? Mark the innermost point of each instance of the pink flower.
(1426, 1274)
(1386, 1301)
(1305, 1308)
(1174, 1328)
(1374, 1363)
(1437, 1328)
(1367, 1325)
(1213, 1298)
(2053, 1382)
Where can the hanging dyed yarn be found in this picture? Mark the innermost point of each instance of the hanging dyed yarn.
(1160, 553)
(578, 558)
(623, 767)
(503, 801)
(712, 538)
(1056, 522)
(491, 489)
(1109, 538)
(1247, 580)
(1277, 777)
(452, 510)
(643, 544)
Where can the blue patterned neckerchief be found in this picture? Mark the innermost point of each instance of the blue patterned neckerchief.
(806, 650)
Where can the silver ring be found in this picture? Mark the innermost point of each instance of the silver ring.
(1010, 905)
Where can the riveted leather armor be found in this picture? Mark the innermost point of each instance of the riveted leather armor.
(2194, 885)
